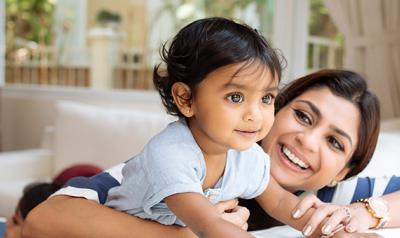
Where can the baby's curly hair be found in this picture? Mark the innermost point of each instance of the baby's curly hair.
(204, 46)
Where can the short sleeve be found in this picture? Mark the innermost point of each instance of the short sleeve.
(247, 172)
(172, 169)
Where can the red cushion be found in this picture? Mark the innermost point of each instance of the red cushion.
(85, 170)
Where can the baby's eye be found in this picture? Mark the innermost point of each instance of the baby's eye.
(235, 98)
(335, 143)
(268, 99)
(303, 117)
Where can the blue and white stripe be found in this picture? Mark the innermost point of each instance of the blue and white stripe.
(96, 188)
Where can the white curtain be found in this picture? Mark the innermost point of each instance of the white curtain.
(372, 44)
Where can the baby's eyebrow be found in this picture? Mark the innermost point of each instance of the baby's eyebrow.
(245, 86)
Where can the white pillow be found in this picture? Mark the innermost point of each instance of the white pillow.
(102, 136)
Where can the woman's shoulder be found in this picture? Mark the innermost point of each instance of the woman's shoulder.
(355, 188)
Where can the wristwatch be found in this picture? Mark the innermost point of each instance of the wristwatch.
(378, 208)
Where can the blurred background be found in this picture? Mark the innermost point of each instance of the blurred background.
(103, 45)
(76, 75)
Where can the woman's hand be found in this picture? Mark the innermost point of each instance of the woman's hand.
(329, 216)
(231, 212)
(354, 217)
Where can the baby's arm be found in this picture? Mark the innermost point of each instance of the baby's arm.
(201, 216)
(280, 203)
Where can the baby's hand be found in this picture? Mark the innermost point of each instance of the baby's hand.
(330, 216)
(231, 212)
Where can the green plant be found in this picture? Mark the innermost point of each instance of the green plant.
(29, 20)
(105, 16)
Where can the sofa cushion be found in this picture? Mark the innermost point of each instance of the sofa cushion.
(100, 135)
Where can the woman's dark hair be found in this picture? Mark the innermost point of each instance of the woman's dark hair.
(206, 45)
(352, 87)
(34, 194)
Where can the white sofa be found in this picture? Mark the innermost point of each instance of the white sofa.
(82, 133)
(104, 136)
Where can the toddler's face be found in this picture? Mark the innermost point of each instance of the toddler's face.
(233, 107)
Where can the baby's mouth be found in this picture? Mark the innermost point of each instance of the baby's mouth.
(293, 158)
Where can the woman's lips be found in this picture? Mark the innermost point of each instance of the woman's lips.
(289, 164)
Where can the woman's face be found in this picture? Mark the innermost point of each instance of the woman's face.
(312, 139)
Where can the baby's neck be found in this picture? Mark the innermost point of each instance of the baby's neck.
(215, 168)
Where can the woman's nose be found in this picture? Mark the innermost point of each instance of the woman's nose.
(309, 140)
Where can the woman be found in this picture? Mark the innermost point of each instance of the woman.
(326, 129)
(301, 132)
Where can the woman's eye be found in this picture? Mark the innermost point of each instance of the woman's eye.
(268, 99)
(303, 117)
(335, 143)
(235, 98)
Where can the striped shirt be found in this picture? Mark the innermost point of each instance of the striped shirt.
(96, 188)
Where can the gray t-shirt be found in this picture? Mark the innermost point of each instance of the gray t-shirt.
(173, 163)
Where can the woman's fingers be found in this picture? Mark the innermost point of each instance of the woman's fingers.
(339, 216)
(358, 224)
(318, 217)
(306, 203)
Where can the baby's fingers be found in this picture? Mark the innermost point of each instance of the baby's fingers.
(242, 212)
(226, 205)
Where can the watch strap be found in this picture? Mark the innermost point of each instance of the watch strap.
(381, 221)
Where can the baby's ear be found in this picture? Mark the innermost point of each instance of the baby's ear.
(183, 98)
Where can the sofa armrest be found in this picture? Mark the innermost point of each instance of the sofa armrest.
(35, 163)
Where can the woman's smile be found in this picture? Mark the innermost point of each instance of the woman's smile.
(291, 160)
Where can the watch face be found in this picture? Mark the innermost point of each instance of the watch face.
(379, 206)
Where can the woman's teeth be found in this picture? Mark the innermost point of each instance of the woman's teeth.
(293, 158)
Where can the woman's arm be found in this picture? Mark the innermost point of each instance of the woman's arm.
(63, 216)
(394, 208)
